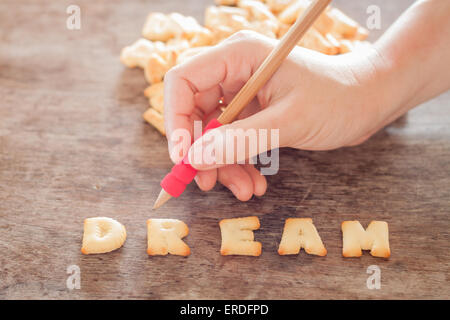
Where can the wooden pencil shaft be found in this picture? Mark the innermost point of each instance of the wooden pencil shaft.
(273, 61)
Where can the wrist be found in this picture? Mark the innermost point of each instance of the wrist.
(384, 91)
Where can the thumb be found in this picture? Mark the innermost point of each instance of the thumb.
(237, 142)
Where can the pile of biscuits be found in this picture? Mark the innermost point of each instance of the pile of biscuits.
(170, 39)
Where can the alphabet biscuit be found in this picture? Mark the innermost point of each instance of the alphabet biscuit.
(156, 119)
(164, 237)
(160, 27)
(222, 16)
(154, 89)
(155, 95)
(157, 67)
(314, 40)
(277, 6)
(361, 34)
(137, 54)
(157, 102)
(292, 11)
(202, 38)
(257, 10)
(301, 233)
(238, 237)
(375, 238)
(226, 2)
(343, 25)
(102, 235)
(187, 26)
(176, 46)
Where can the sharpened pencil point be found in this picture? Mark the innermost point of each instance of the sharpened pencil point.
(163, 197)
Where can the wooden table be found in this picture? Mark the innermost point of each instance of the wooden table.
(73, 145)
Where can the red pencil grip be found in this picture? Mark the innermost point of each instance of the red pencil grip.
(175, 182)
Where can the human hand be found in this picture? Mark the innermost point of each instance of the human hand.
(317, 102)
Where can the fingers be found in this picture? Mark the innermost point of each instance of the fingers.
(196, 84)
(237, 142)
(206, 180)
(238, 180)
(208, 100)
(259, 181)
(192, 92)
(244, 181)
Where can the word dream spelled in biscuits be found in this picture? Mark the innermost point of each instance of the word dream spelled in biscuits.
(171, 39)
(164, 236)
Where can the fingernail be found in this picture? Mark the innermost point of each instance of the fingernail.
(233, 188)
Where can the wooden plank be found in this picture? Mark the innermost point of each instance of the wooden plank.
(73, 145)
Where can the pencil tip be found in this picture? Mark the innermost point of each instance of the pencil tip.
(163, 197)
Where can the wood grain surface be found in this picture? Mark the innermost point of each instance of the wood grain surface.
(73, 145)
